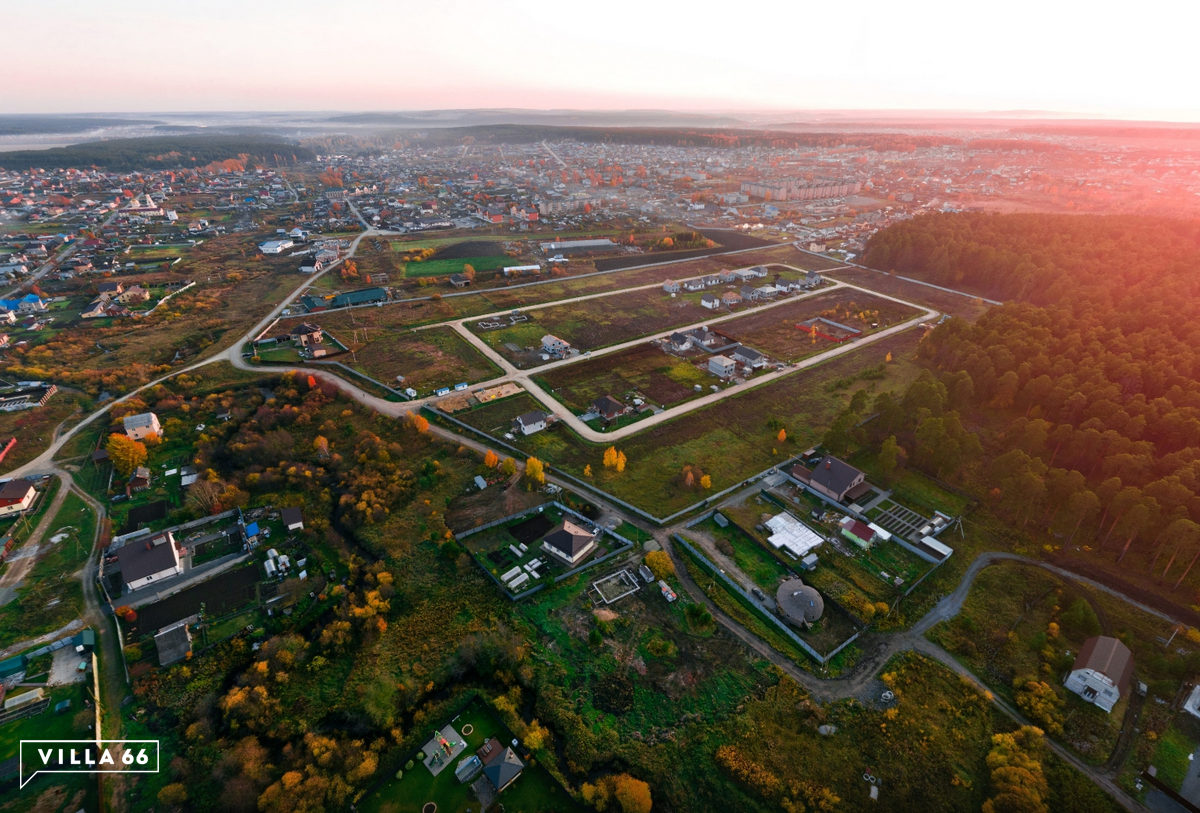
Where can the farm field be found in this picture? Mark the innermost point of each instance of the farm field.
(730, 440)
(960, 306)
(426, 358)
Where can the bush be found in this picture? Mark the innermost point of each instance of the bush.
(408, 766)
(400, 774)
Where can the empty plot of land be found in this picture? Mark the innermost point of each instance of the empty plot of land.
(644, 371)
(775, 331)
(597, 323)
(427, 359)
(962, 306)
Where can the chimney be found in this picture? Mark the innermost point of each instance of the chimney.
(148, 545)
(828, 463)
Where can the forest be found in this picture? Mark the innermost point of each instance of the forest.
(1073, 411)
(160, 152)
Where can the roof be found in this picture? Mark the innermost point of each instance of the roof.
(799, 602)
(1109, 657)
(146, 419)
(568, 538)
(173, 644)
(531, 418)
(606, 405)
(143, 557)
(291, 516)
(835, 475)
(304, 328)
(857, 529)
(792, 534)
(15, 489)
(747, 353)
(504, 768)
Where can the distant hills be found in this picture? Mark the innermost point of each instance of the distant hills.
(160, 152)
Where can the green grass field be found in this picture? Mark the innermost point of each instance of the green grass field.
(441, 268)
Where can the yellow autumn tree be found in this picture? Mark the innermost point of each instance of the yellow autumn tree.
(587, 470)
(125, 453)
(535, 472)
(782, 436)
(660, 564)
(620, 465)
(491, 459)
(706, 482)
(610, 457)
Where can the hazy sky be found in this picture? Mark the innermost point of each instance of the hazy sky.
(1137, 61)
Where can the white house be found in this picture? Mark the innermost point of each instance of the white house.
(15, 496)
(275, 246)
(1102, 672)
(569, 543)
(142, 426)
(531, 422)
(554, 346)
(710, 301)
(148, 560)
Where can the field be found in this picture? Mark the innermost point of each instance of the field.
(596, 323)
(445, 267)
(51, 594)
(730, 440)
(774, 331)
(34, 428)
(645, 371)
(962, 306)
(427, 359)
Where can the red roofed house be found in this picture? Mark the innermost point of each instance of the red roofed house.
(16, 496)
(857, 532)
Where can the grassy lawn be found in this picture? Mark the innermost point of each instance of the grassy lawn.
(535, 790)
(750, 556)
(34, 428)
(51, 595)
(1171, 756)
(50, 792)
(441, 268)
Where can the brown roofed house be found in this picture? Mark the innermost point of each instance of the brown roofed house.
(569, 543)
(1102, 672)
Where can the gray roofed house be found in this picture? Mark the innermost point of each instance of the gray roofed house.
(173, 643)
(503, 769)
(530, 422)
(748, 356)
(1102, 672)
(145, 560)
(833, 478)
(140, 426)
(798, 603)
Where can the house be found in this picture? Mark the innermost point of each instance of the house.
(749, 357)
(766, 291)
(530, 422)
(142, 425)
(110, 289)
(749, 294)
(133, 295)
(363, 296)
(671, 287)
(731, 298)
(503, 769)
(173, 643)
(857, 532)
(722, 366)
(554, 346)
(755, 272)
(305, 334)
(609, 408)
(693, 285)
(679, 341)
(799, 603)
(812, 279)
(1102, 672)
(831, 477)
(148, 560)
(710, 301)
(569, 543)
(460, 280)
(275, 246)
(293, 520)
(139, 480)
(16, 496)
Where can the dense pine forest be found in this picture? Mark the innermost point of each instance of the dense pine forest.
(1084, 390)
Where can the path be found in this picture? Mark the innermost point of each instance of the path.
(18, 568)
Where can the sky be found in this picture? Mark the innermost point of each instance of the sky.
(1063, 56)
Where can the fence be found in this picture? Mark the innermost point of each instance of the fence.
(626, 544)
